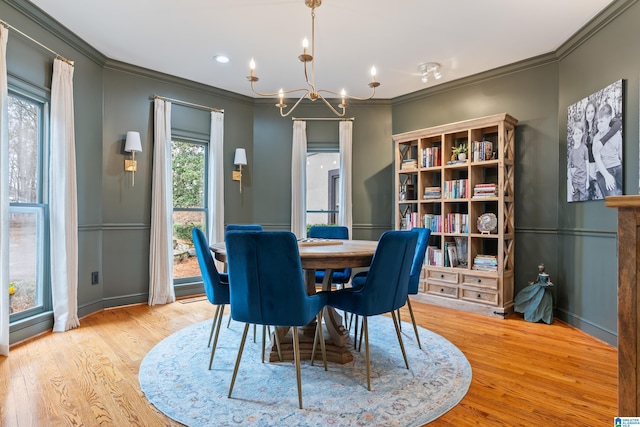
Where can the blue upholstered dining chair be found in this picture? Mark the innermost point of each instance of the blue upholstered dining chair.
(267, 288)
(243, 227)
(414, 279)
(342, 275)
(385, 288)
(216, 285)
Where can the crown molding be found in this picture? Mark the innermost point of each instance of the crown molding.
(39, 17)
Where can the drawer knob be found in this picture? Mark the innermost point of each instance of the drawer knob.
(442, 276)
(479, 296)
(479, 280)
(441, 289)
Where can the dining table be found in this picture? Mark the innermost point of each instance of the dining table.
(328, 255)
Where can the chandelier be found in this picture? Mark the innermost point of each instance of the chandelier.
(311, 92)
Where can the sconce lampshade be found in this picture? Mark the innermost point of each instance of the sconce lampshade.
(241, 157)
(133, 142)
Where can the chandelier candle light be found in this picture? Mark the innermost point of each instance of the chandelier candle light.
(312, 93)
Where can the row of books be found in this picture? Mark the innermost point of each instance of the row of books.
(456, 223)
(445, 257)
(456, 189)
(481, 151)
(409, 220)
(485, 190)
(431, 156)
(485, 263)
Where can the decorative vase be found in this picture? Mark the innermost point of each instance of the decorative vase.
(462, 157)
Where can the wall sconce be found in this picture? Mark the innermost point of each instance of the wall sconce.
(239, 160)
(132, 145)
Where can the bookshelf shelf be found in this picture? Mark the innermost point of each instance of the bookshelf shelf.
(464, 268)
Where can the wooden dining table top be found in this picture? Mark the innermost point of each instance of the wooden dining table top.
(317, 254)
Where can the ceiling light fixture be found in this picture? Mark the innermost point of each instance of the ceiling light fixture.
(223, 59)
(312, 93)
(429, 68)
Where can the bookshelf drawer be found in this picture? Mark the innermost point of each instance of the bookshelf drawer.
(480, 296)
(480, 281)
(444, 276)
(442, 290)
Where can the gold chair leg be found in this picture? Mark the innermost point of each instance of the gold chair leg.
(395, 323)
(264, 339)
(229, 321)
(399, 321)
(217, 322)
(235, 369)
(254, 333)
(413, 320)
(213, 324)
(355, 333)
(365, 327)
(360, 344)
(322, 344)
(296, 353)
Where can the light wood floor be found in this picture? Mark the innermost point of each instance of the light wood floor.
(524, 374)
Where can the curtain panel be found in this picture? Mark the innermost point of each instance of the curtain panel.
(215, 197)
(299, 180)
(161, 235)
(345, 197)
(63, 201)
(4, 196)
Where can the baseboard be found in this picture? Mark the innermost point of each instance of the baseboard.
(596, 331)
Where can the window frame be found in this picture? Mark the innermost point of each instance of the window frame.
(321, 148)
(181, 137)
(44, 301)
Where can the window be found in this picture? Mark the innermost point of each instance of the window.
(323, 183)
(29, 285)
(189, 165)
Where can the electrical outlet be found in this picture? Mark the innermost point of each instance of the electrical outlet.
(95, 279)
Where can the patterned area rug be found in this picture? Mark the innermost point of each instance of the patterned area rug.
(175, 378)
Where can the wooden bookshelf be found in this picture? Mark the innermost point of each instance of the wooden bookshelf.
(481, 280)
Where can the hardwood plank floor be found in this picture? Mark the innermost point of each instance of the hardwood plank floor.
(524, 374)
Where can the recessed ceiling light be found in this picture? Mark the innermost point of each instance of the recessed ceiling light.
(223, 59)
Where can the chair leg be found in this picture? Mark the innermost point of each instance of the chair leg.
(399, 321)
(395, 323)
(217, 321)
(355, 333)
(275, 333)
(264, 339)
(413, 320)
(235, 369)
(213, 324)
(254, 333)
(360, 343)
(229, 321)
(365, 328)
(319, 332)
(296, 354)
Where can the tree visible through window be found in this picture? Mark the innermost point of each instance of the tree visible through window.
(189, 204)
(28, 287)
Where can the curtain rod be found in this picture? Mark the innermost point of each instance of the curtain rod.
(188, 104)
(58, 56)
(350, 119)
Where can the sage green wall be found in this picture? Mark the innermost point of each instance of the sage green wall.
(587, 231)
(372, 167)
(30, 66)
(126, 209)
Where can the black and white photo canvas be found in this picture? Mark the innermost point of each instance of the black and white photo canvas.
(594, 145)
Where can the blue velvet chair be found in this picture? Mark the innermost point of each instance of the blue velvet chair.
(267, 288)
(342, 275)
(216, 285)
(414, 278)
(385, 288)
(243, 227)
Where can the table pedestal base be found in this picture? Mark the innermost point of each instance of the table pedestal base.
(335, 353)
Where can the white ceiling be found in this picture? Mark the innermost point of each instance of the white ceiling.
(181, 37)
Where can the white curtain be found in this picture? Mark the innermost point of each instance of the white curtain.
(161, 240)
(299, 179)
(4, 197)
(215, 195)
(345, 198)
(63, 201)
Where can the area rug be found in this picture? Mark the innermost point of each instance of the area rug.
(175, 378)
